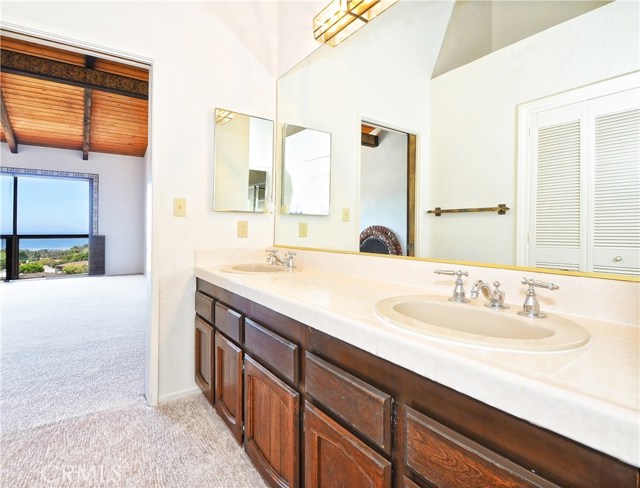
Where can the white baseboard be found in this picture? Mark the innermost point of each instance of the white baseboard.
(178, 395)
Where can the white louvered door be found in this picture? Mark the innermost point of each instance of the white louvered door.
(615, 221)
(585, 185)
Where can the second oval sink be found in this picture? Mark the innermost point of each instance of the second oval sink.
(472, 324)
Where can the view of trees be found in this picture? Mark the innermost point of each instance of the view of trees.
(35, 261)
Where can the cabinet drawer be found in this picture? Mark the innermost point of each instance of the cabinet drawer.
(273, 349)
(359, 404)
(204, 306)
(229, 322)
(447, 459)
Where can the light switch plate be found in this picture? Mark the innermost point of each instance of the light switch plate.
(345, 215)
(179, 207)
(243, 228)
(302, 229)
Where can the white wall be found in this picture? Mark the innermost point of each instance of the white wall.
(474, 130)
(120, 192)
(198, 64)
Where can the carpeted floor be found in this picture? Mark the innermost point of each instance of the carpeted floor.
(72, 410)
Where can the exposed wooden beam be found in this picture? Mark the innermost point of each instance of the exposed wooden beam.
(6, 126)
(86, 130)
(90, 62)
(59, 72)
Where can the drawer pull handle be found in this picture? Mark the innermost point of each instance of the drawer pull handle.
(617, 259)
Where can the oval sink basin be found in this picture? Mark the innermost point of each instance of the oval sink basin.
(257, 268)
(474, 324)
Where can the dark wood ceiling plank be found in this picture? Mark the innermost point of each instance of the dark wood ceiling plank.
(7, 127)
(59, 72)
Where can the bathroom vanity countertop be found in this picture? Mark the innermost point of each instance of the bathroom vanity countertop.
(590, 394)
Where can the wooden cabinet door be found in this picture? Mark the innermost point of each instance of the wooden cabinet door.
(272, 425)
(228, 384)
(335, 458)
(204, 357)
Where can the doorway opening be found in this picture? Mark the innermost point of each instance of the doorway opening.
(387, 190)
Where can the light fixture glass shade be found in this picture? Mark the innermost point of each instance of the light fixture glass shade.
(341, 18)
(224, 116)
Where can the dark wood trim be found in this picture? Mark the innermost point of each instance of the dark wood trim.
(7, 127)
(86, 125)
(411, 194)
(369, 140)
(69, 74)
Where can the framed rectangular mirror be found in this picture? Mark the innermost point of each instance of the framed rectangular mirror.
(306, 171)
(243, 162)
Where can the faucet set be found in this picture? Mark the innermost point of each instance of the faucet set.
(288, 261)
(495, 296)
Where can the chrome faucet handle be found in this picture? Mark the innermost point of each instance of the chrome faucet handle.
(458, 295)
(272, 256)
(289, 260)
(531, 307)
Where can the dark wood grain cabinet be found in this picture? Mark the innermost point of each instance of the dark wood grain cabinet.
(321, 413)
(228, 384)
(272, 425)
(335, 458)
(204, 365)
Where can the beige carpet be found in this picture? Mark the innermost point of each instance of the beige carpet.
(72, 411)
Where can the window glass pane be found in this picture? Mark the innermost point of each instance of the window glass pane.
(53, 257)
(53, 206)
(3, 258)
(6, 204)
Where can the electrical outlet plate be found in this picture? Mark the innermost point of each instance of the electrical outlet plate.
(179, 207)
(302, 229)
(243, 228)
(345, 215)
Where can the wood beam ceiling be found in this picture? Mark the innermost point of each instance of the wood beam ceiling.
(90, 62)
(7, 127)
(60, 72)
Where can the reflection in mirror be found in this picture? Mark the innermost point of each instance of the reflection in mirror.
(306, 174)
(465, 118)
(243, 167)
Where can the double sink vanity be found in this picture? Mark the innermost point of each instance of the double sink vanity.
(339, 378)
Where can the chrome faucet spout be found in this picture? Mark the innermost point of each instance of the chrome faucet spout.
(494, 296)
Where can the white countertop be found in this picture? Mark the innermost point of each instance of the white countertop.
(590, 394)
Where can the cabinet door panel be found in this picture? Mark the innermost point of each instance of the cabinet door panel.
(335, 458)
(272, 425)
(204, 364)
(228, 384)
(447, 459)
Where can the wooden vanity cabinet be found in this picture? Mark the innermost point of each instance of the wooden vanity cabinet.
(228, 384)
(272, 425)
(335, 458)
(321, 413)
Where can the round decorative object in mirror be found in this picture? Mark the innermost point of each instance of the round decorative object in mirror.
(378, 239)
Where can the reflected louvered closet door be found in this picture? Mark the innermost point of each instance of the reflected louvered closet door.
(558, 234)
(616, 192)
(585, 185)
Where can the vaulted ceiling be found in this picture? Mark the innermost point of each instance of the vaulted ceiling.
(69, 100)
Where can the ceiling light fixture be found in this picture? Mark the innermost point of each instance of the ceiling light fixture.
(223, 116)
(341, 18)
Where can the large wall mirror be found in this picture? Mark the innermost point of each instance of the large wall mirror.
(243, 162)
(405, 71)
